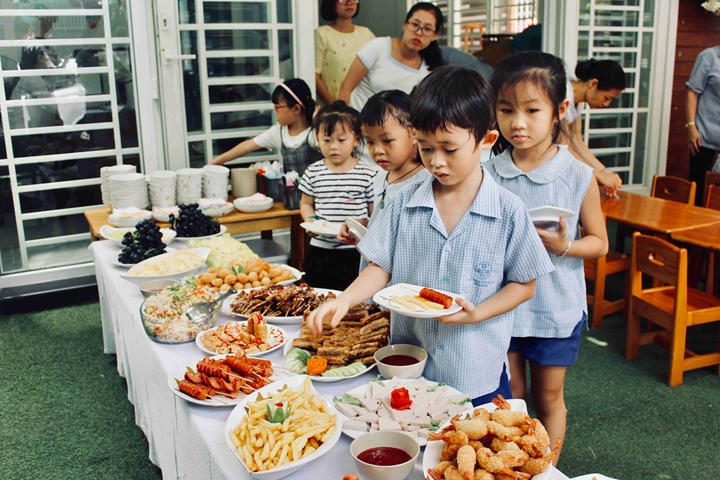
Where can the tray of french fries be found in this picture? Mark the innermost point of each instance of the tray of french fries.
(419, 302)
(280, 428)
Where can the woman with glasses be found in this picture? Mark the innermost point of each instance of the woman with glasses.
(389, 63)
(336, 46)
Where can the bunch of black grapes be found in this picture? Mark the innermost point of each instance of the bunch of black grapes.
(191, 222)
(142, 244)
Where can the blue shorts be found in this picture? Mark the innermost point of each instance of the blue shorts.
(503, 389)
(550, 352)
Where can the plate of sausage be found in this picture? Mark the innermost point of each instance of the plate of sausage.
(419, 302)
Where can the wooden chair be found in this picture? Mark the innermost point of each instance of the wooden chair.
(674, 307)
(711, 179)
(675, 189)
(473, 36)
(597, 270)
(712, 200)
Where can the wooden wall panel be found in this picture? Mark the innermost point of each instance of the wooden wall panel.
(697, 30)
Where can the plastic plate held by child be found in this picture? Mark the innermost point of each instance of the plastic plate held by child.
(356, 229)
(406, 299)
(322, 228)
(548, 216)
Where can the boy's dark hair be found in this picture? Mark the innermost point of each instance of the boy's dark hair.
(337, 112)
(453, 96)
(609, 74)
(432, 53)
(328, 12)
(383, 105)
(545, 71)
(302, 91)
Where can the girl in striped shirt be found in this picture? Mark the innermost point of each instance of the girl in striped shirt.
(530, 105)
(333, 189)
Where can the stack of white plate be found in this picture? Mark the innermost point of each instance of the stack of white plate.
(162, 188)
(129, 190)
(127, 217)
(105, 174)
(244, 182)
(189, 185)
(215, 181)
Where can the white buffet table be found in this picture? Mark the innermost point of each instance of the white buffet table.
(186, 440)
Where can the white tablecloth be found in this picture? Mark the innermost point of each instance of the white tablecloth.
(186, 440)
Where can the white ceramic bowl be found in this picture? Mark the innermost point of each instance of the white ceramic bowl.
(243, 206)
(385, 439)
(407, 371)
(148, 289)
(239, 412)
(106, 231)
(137, 280)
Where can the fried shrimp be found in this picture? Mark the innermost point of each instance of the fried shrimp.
(482, 414)
(500, 431)
(513, 458)
(498, 445)
(453, 473)
(537, 465)
(442, 466)
(475, 428)
(454, 441)
(493, 464)
(536, 441)
(501, 403)
(466, 461)
(516, 476)
(481, 474)
(508, 418)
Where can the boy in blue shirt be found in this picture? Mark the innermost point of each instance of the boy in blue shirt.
(457, 231)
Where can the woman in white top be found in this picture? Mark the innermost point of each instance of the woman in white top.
(597, 84)
(336, 46)
(389, 63)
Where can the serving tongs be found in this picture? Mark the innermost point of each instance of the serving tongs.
(201, 310)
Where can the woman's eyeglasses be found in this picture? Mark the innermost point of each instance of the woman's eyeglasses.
(348, 1)
(416, 27)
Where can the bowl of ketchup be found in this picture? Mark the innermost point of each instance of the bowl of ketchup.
(385, 455)
(402, 361)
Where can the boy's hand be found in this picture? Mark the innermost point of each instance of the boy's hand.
(555, 241)
(334, 309)
(344, 235)
(463, 317)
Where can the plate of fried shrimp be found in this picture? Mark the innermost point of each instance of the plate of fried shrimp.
(419, 302)
(518, 447)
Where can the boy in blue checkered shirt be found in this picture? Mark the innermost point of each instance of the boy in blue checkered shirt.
(457, 231)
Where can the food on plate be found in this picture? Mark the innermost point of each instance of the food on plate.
(191, 222)
(224, 251)
(229, 376)
(399, 360)
(434, 296)
(384, 456)
(265, 445)
(423, 407)
(279, 301)
(504, 444)
(176, 262)
(255, 199)
(346, 350)
(164, 313)
(256, 325)
(351, 476)
(255, 273)
(233, 337)
(415, 303)
(145, 242)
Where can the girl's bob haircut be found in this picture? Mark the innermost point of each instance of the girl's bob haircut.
(384, 105)
(336, 113)
(453, 96)
(608, 73)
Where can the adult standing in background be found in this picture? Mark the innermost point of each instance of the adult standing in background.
(336, 46)
(702, 114)
(597, 84)
(389, 63)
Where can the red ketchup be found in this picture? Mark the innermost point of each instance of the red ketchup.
(400, 360)
(384, 456)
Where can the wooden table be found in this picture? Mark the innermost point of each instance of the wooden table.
(237, 222)
(661, 216)
(705, 237)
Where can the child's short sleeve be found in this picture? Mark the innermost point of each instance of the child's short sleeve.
(306, 184)
(525, 256)
(370, 53)
(699, 75)
(270, 138)
(378, 244)
(319, 50)
(370, 188)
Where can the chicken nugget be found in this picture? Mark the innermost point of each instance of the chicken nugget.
(224, 287)
(223, 272)
(217, 282)
(263, 274)
(231, 279)
(248, 285)
(243, 278)
(256, 284)
(239, 286)
(265, 282)
(252, 277)
(283, 277)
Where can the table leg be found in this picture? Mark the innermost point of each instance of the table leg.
(298, 242)
(266, 235)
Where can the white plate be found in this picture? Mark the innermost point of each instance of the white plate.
(319, 378)
(357, 229)
(360, 391)
(113, 258)
(223, 229)
(137, 280)
(276, 338)
(297, 275)
(218, 212)
(382, 298)
(223, 401)
(548, 216)
(431, 457)
(242, 205)
(239, 413)
(106, 231)
(322, 228)
(591, 476)
(225, 309)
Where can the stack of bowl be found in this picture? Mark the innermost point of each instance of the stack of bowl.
(129, 190)
(162, 188)
(215, 181)
(244, 182)
(189, 185)
(105, 174)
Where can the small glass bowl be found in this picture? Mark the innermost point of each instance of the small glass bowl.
(180, 330)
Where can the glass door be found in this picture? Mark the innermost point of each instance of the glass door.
(67, 108)
(219, 64)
